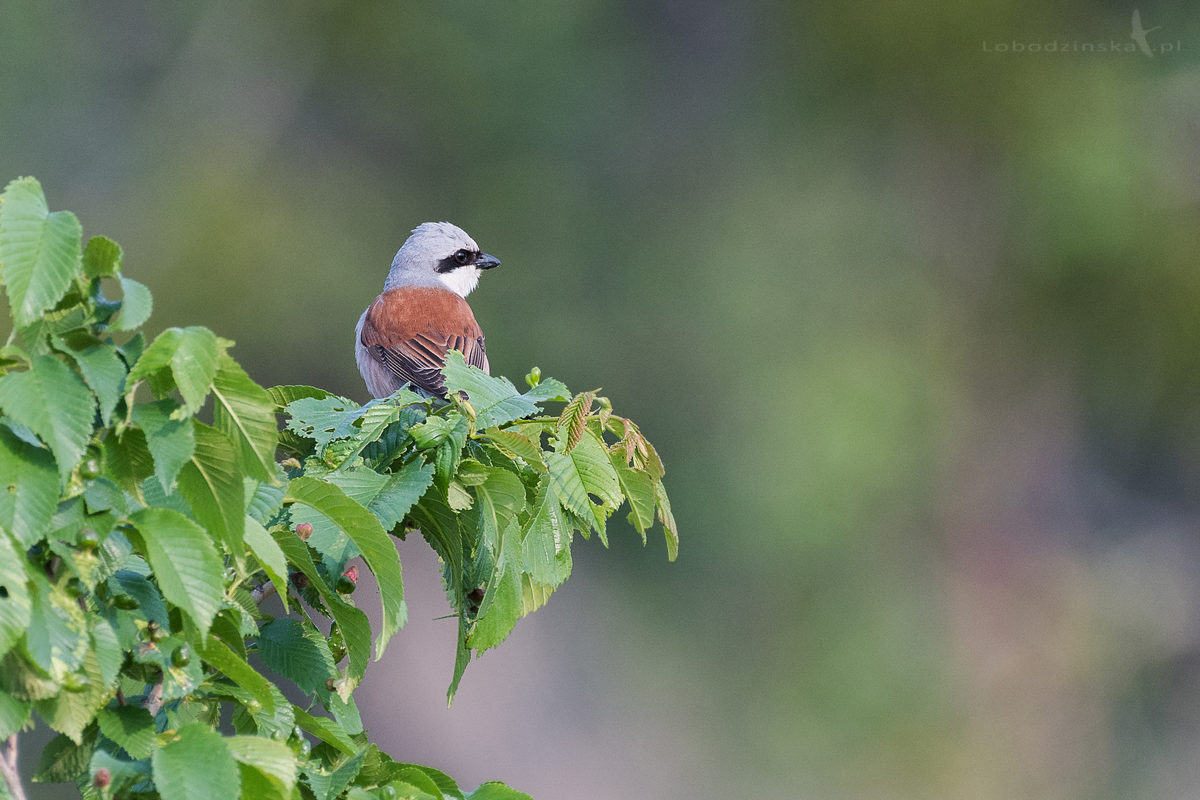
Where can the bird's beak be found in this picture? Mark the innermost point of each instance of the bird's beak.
(486, 262)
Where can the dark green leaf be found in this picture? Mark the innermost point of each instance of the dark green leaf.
(328, 785)
(28, 488)
(101, 258)
(40, 252)
(136, 305)
(326, 730)
(245, 413)
(63, 759)
(269, 556)
(297, 651)
(196, 765)
(282, 395)
(186, 564)
(190, 354)
(15, 601)
(495, 400)
(219, 655)
(102, 368)
(171, 441)
(213, 486)
(52, 402)
(131, 727)
(127, 458)
(377, 548)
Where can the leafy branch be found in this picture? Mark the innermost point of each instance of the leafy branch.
(140, 536)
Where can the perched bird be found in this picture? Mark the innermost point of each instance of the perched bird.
(404, 335)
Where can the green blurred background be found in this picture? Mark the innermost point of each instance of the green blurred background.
(912, 318)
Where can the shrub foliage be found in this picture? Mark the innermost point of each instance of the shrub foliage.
(143, 526)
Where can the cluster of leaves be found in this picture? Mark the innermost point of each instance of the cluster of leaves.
(138, 542)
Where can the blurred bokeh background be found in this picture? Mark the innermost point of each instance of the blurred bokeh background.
(910, 306)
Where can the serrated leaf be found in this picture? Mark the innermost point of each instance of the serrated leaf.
(127, 459)
(356, 629)
(322, 419)
(101, 258)
(328, 785)
(275, 759)
(245, 413)
(446, 785)
(185, 563)
(374, 417)
(102, 368)
(638, 488)
(72, 712)
(51, 401)
(668, 521)
(57, 637)
(190, 354)
(494, 790)
(139, 587)
(514, 445)
(376, 546)
(212, 484)
(546, 540)
(171, 441)
(15, 601)
(131, 727)
(14, 714)
(586, 470)
(136, 305)
(220, 656)
(40, 251)
(264, 499)
(286, 646)
(28, 489)
(495, 400)
(401, 492)
(327, 730)
(574, 417)
(269, 556)
(196, 765)
(500, 496)
(283, 395)
(501, 606)
(62, 760)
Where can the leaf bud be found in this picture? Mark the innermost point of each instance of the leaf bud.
(534, 377)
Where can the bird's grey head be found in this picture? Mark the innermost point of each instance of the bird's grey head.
(442, 255)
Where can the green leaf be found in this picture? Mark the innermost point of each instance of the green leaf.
(444, 782)
(196, 765)
(245, 413)
(638, 488)
(274, 759)
(171, 441)
(322, 419)
(494, 790)
(109, 653)
(668, 521)
(219, 655)
(102, 368)
(269, 556)
(131, 727)
(501, 606)
(377, 548)
(28, 489)
(500, 496)
(57, 638)
(186, 564)
(548, 389)
(495, 400)
(356, 629)
(546, 540)
(283, 395)
(401, 492)
(72, 712)
(127, 459)
(14, 715)
(213, 486)
(574, 417)
(40, 252)
(52, 402)
(371, 421)
(297, 651)
(326, 730)
(15, 601)
(136, 305)
(101, 258)
(514, 445)
(328, 785)
(62, 760)
(191, 356)
(585, 471)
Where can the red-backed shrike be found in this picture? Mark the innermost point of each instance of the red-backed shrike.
(422, 313)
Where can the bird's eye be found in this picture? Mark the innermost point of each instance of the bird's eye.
(463, 257)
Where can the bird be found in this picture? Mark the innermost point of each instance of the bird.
(422, 313)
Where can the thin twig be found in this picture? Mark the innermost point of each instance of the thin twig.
(8, 766)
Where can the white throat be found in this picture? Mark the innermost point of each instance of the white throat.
(460, 281)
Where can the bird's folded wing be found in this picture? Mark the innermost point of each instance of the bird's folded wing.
(412, 343)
